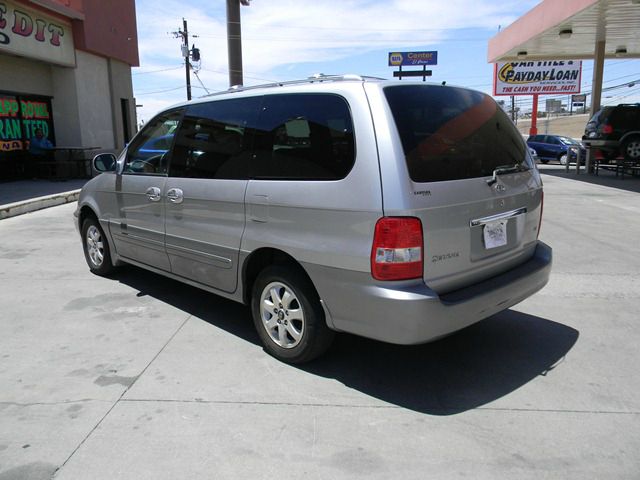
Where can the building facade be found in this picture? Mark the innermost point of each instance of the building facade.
(65, 68)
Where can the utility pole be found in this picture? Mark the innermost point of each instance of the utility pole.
(513, 108)
(189, 55)
(571, 105)
(184, 34)
(234, 41)
(185, 54)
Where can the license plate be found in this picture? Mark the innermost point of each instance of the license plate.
(495, 234)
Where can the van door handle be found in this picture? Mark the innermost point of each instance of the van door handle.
(154, 194)
(175, 195)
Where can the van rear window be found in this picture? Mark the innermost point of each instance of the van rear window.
(450, 133)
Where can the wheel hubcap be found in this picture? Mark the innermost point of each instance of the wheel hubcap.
(633, 150)
(282, 315)
(95, 247)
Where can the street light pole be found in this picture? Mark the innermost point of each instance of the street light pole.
(234, 41)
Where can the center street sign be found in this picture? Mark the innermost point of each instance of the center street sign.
(400, 59)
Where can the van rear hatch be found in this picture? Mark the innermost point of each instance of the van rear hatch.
(469, 179)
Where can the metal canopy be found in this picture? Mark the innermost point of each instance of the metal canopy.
(570, 29)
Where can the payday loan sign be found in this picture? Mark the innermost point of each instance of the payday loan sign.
(30, 33)
(538, 77)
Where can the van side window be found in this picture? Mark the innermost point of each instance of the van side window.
(214, 140)
(148, 154)
(303, 137)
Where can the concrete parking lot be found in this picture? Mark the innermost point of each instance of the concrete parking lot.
(140, 377)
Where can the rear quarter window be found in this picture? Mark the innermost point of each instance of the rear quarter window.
(303, 137)
(450, 133)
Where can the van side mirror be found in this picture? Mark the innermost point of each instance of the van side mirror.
(104, 162)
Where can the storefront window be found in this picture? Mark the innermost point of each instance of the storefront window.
(20, 117)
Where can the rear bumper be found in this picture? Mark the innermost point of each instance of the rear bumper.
(410, 312)
(601, 144)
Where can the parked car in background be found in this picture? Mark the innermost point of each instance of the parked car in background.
(615, 131)
(556, 147)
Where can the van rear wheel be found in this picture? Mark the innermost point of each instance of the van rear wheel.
(288, 316)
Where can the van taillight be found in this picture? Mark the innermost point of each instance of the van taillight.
(397, 251)
(607, 129)
(541, 208)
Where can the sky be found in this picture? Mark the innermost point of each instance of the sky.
(288, 40)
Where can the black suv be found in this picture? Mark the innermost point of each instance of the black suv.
(615, 131)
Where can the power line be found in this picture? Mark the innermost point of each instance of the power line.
(349, 29)
(160, 91)
(198, 77)
(157, 71)
(630, 93)
(352, 41)
(222, 72)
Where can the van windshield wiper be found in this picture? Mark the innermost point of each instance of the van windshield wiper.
(502, 169)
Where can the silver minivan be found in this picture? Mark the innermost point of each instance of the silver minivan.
(393, 210)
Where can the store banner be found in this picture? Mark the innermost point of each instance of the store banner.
(538, 77)
(31, 33)
(20, 117)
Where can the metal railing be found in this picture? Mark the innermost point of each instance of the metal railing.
(578, 150)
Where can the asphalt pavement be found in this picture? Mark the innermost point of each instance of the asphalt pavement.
(140, 377)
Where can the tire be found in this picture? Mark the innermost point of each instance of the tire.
(563, 159)
(631, 149)
(288, 316)
(96, 247)
(545, 161)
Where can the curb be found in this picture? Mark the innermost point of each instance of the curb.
(39, 203)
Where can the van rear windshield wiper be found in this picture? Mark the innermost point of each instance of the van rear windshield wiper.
(502, 169)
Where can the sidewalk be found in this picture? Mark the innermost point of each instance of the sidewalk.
(24, 196)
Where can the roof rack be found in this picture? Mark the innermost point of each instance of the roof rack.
(316, 78)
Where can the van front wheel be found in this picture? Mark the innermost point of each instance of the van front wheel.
(96, 247)
(288, 316)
